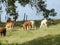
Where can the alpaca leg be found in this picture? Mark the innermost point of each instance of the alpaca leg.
(27, 27)
(41, 25)
(4, 33)
(46, 25)
(1, 33)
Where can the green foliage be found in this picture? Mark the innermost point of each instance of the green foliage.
(19, 23)
(15, 16)
(24, 2)
(2, 24)
(11, 2)
(12, 9)
(52, 12)
(9, 19)
(42, 5)
(37, 22)
(46, 12)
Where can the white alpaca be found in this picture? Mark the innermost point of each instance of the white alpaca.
(43, 23)
(33, 24)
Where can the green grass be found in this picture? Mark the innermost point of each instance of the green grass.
(17, 36)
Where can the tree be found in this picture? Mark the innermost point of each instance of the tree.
(12, 9)
(52, 12)
(46, 12)
(41, 4)
(37, 3)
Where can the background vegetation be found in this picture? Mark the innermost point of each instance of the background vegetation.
(40, 36)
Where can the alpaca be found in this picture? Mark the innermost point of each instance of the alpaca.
(27, 25)
(3, 31)
(43, 23)
(10, 24)
(33, 24)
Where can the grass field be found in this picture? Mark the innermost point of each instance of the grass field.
(40, 36)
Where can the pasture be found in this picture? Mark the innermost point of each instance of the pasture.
(40, 36)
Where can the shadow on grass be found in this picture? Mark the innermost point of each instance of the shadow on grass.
(47, 40)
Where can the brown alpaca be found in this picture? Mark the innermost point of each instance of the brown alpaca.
(3, 31)
(10, 24)
(27, 24)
